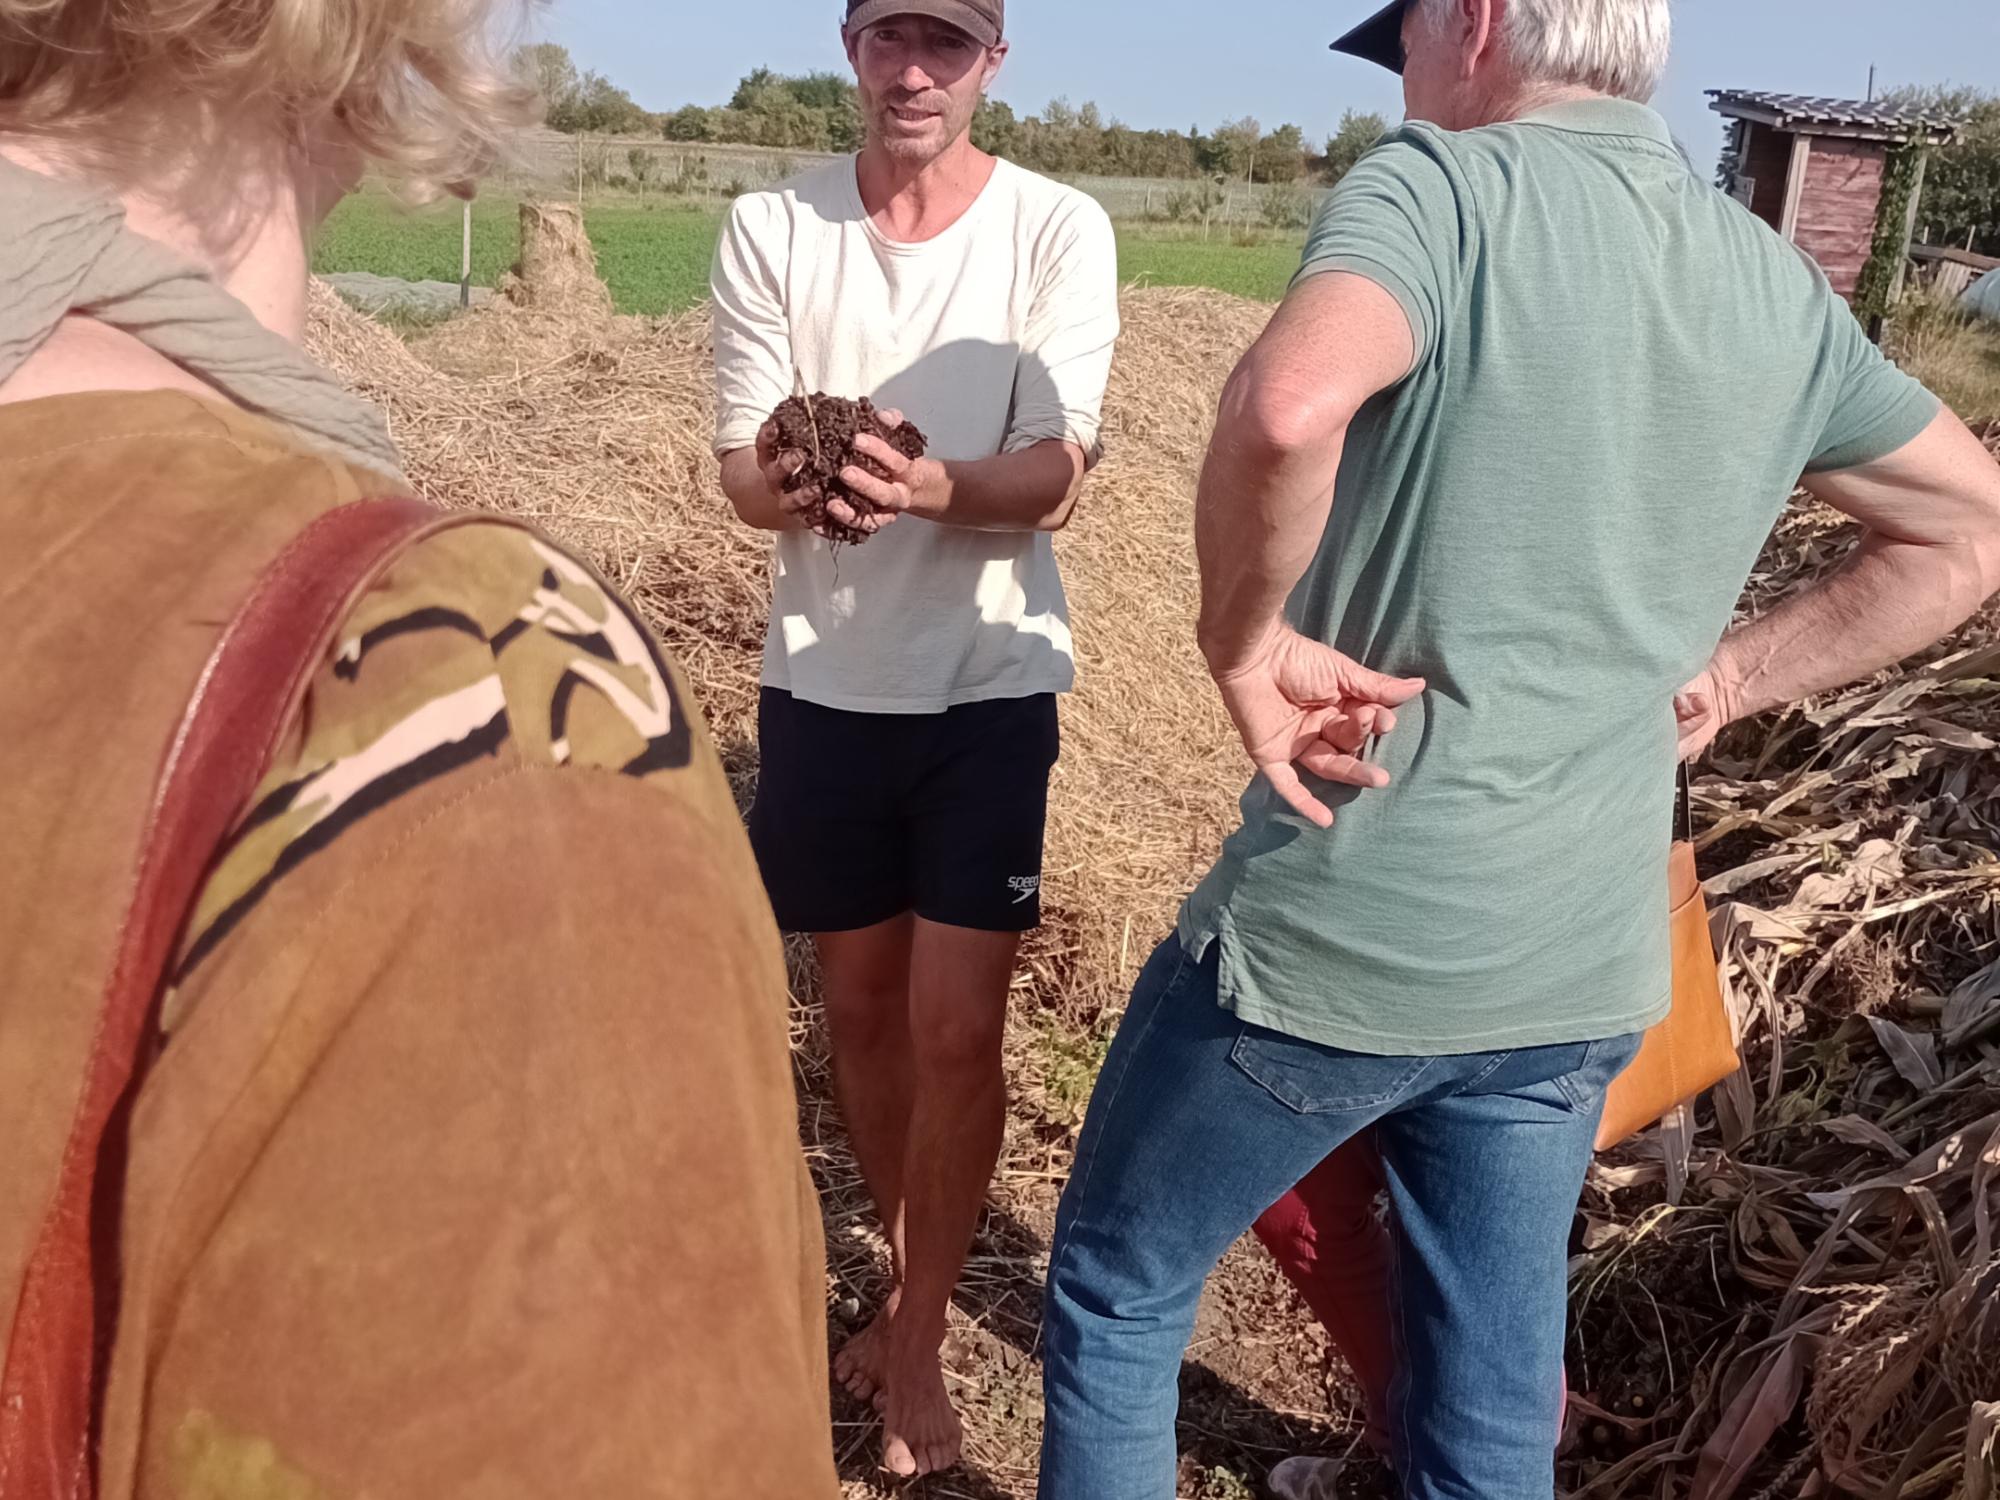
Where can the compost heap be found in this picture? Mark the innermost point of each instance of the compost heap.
(1810, 1302)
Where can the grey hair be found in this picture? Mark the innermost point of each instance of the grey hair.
(1617, 47)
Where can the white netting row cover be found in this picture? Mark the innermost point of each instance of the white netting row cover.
(1983, 296)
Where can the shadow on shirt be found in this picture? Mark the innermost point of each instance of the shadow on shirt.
(924, 612)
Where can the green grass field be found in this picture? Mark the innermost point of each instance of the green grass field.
(655, 258)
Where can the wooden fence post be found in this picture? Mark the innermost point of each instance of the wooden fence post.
(465, 260)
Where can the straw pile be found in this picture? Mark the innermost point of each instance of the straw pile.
(1814, 1306)
(1799, 1300)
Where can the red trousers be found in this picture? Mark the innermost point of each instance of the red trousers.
(1332, 1245)
(1328, 1239)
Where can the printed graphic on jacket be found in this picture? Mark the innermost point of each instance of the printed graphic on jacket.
(481, 643)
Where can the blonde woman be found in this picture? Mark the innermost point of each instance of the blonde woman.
(467, 1163)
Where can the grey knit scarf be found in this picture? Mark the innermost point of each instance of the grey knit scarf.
(64, 248)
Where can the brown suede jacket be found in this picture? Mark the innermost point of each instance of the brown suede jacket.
(469, 1165)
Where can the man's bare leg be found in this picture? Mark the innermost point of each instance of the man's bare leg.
(958, 1010)
(866, 984)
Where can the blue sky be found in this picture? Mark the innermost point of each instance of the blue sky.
(1176, 63)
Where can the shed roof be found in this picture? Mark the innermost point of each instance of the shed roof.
(1805, 115)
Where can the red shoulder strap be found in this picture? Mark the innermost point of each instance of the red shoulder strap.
(247, 695)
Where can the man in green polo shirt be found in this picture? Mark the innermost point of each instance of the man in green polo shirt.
(1486, 490)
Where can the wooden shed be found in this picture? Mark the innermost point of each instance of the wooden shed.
(1813, 169)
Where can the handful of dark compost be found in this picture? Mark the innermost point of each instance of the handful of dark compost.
(821, 429)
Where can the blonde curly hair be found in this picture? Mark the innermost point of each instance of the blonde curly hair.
(422, 88)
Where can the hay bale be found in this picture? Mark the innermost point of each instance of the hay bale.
(557, 271)
(549, 306)
(601, 435)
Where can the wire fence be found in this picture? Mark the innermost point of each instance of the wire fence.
(1198, 199)
(576, 166)
(706, 172)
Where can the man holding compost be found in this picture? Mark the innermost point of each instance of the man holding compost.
(1513, 441)
(908, 718)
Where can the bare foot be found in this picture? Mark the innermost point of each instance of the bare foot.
(921, 1433)
(861, 1363)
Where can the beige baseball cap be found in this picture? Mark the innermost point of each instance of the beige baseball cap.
(982, 20)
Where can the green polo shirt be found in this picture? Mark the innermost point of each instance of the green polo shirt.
(1620, 375)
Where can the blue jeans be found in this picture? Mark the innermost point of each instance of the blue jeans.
(1201, 1122)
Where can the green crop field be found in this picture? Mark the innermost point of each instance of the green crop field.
(655, 257)
(1168, 258)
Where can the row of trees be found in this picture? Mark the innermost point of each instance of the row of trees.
(814, 112)
(822, 112)
(1962, 182)
(580, 102)
(1066, 141)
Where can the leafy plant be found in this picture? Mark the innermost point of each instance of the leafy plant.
(1356, 137)
(1287, 206)
(1962, 185)
(1071, 1062)
(594, 163)
(1224, 1484)
(692, 177)
(1892, 221)
(1193, 204)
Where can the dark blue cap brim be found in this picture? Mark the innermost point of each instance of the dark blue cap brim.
(1379, 39)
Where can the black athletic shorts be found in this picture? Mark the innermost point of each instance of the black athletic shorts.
(861, 817)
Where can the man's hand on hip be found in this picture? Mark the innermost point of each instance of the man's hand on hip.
(1300, 705)
(1702, 710)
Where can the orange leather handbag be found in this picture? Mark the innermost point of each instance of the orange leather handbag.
(61, 1326)
(1695, 1047)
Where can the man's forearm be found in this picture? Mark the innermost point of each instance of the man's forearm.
(1260, 512)
(1891, 600)
(1033, 490)
(1930, 558)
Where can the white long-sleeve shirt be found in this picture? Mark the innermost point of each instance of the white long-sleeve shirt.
(991, 337)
